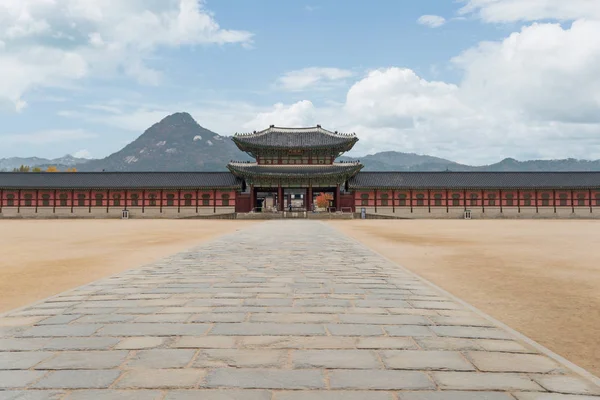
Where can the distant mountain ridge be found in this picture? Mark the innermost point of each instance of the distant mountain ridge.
(179, 143)
(176, 143)
(397, 161)
(67, 161)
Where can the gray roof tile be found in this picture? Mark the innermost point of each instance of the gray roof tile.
(399, 180)
(242, 168)
(117, 180)
(295, 138)
(476, 180)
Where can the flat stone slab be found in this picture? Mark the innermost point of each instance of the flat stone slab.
(275, 311)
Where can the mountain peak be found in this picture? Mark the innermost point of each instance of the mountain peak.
(179, 118)
(176, 143)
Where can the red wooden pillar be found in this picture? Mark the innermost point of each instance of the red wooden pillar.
(483, 201)
(90, 202)
(161, 200)
(72, 199)
(279, 198)
(126, 198)
(519, 200)
(214, 201)
(196, 201)
(572, 203)
(429, 199)
(107, 200)
(337, 197)
(252, 199)
(2, 199)
(19, 201)
(178, 200)
(536, 201)
(37, 197)
(375, 200)
(410, 193)
(447, 202)
(306, 207)
(554, 199)
(590, 200)
(465, 198)
(501, 201)
(309, 198)
(393, 201)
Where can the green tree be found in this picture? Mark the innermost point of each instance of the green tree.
(36, 169)
(22, 168)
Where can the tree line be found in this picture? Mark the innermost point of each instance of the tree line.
(51, 168)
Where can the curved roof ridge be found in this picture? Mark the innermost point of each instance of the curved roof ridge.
(347, 170)
(254, 163)
(351, 162)
(244, 163)
(282, 129)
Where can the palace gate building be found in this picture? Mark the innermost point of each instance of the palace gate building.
(292, 166)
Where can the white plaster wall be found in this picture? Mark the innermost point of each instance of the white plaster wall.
(399, 212)
(489, 212)
(113, 212)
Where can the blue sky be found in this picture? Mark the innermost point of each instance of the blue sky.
(482, 80)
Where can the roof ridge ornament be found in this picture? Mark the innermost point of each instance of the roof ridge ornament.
(279, 129)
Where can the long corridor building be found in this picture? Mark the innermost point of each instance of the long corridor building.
(299, 163)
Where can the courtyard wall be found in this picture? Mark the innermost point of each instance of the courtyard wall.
(441, 203)
(111, 203)
(186, 203)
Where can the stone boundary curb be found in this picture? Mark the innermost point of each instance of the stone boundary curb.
(543, 350)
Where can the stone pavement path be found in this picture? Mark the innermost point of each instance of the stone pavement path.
(283, 310)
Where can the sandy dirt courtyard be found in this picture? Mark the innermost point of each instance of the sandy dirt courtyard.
(541, 278)
(45, 257)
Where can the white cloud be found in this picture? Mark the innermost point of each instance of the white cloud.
(299, 114)
(311, 78)
(534, 94)
(432, 21)
(48, 43)
(102, 107)
(136, 121)
(46, 137)
(532, 10)
(397, 96)
(224, 118)
(544, 73)
(35, 66)
(83, 153)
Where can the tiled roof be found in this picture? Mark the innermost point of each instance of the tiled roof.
(246, 169)
(117, 180)
(207, 180)
(476, 180)
(295, 137)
